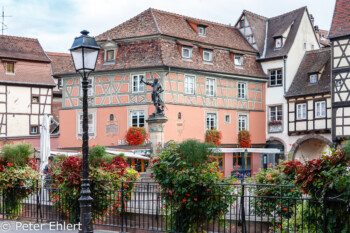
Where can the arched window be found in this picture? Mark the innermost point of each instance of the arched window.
(111, 117)
(179, 116)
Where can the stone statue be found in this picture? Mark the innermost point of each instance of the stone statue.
(157, 101)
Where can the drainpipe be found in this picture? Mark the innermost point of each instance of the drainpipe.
(284, 74)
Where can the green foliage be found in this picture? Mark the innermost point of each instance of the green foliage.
(190, 180)
(346, 149)
(271, 200)
(195, 152)
(17, 154)
(96, 154)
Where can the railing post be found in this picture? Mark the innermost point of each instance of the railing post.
(244, 230)
(37, 200)
(122, 206)
(324, 214)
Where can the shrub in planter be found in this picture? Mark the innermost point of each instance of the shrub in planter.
(244, 140)
(18, 177)
(136, 136)
(106, 174)
(213, 136)
(266, 201)
(189, 179)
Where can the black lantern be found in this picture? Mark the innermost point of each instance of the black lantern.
(84, 53)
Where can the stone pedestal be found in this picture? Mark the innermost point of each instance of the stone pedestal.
(156, 123)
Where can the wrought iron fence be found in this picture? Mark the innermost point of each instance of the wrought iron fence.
(144, 207)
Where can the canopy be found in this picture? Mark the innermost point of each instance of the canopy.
(252, 150)
(114, 152)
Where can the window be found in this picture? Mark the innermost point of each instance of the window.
(301, 111)
(186, 52)
(137, 86)
(207, 55)
(338, 83)
(242, 122)
(110, 55)
(189, 84)
(238, 60)
(312, 47)
(275, 113)
(210, 87)
(276, 77)
(137, 119)
(35, 99)
(179, 116)
(59, 83)
(34, 129)
(201, 30)
(241, 23)
(320, 109)
(304, 46)
(111, 117)
(10, 67)
(90, 123)
(278, 42)
(211, 121)
(220, 158)
(90, 89)
(313, 78)
(227, 118)
(242, 90)
(237, 162)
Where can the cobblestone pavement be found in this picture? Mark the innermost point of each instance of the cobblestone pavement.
(22, 226)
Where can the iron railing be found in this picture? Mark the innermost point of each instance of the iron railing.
(144, 207)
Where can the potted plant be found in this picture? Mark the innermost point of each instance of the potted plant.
(213, 136)
(136, 136)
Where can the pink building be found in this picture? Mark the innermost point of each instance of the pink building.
(208, 70)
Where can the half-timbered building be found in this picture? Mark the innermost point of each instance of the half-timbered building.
(25, 89)
(281, 42)
(309, 106)
(340, 40)
(208, 70)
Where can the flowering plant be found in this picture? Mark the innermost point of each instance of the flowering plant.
(188, 176)
(244, 140)
(18, 174)
(213, 136)
(106, 176)
(278, 122)
(136, 136)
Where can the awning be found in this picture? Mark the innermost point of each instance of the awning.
(252, 150)
(128, 154)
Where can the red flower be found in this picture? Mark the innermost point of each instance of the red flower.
(188, 194)
(184, 200)
(195, 199)
(9, 185)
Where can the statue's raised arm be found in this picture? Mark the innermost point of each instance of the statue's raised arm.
(147, 83)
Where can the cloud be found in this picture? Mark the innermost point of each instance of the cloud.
(56, 22)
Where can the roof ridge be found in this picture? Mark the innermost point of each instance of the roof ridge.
(305, 7)
(155, 20)
(178, 15)
(106, 32)
(255, 14)
(318, 50)
(57, 53)
(20, 37)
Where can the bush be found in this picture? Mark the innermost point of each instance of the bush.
(105, 184)
(136, 136)
(213, 136)
(189, 178)
(18, 177)
(96, 153)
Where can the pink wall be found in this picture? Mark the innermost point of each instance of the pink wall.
(228, 164)
(35, 141)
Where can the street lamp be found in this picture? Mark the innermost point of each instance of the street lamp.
(84, 53)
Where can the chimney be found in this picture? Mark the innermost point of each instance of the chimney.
(312, 19)
(316, 28)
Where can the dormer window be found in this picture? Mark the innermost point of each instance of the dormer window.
(10, 67)
(207, 55)
(313, 78)
(238, 60)
(110, 55)
(278, 42)
(201, 30)
(186, 52)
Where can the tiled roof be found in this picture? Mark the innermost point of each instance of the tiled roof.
(258, 26)
(164, 52)
(29, 73)
(341, 19)
(276, 26)
(61, 63)
(313, 61)
(156, 22)
(280, 24)
(21, 48)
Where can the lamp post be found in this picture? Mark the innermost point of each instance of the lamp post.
(84, 53)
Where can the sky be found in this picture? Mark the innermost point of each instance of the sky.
(57, 22)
